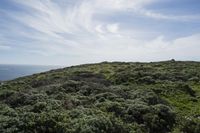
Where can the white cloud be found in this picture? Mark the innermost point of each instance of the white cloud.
(113, 28)
(99, 29)
(152, 50)
(119, 5)
(49, 17)
(155, 15)
(75, 31)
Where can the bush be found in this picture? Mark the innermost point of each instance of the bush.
(90, 121)
(146, 96)
(23, 98)
(186, 88)
(158, 118)
(191, 126)
(163, 120)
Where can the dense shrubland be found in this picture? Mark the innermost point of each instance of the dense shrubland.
(113, 97)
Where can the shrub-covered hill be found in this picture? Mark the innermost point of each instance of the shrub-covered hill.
(158, 97)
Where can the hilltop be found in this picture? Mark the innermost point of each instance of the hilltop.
(116, 97)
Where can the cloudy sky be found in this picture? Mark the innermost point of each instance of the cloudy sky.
(68, 32)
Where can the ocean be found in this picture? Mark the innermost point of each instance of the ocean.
(9, 72)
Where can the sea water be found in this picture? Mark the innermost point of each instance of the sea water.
(9, 72)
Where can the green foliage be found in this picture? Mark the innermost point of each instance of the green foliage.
(116, 97)
(191, 125)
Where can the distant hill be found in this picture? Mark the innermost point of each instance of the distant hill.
(117, 97)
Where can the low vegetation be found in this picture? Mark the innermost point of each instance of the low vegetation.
(117, 97)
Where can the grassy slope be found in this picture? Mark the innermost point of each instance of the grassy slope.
(105, 97)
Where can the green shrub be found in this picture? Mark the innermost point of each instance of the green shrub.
(191, 126)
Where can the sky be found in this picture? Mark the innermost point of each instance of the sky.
(70, 32)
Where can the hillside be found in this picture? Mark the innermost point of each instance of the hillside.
(117, 97)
